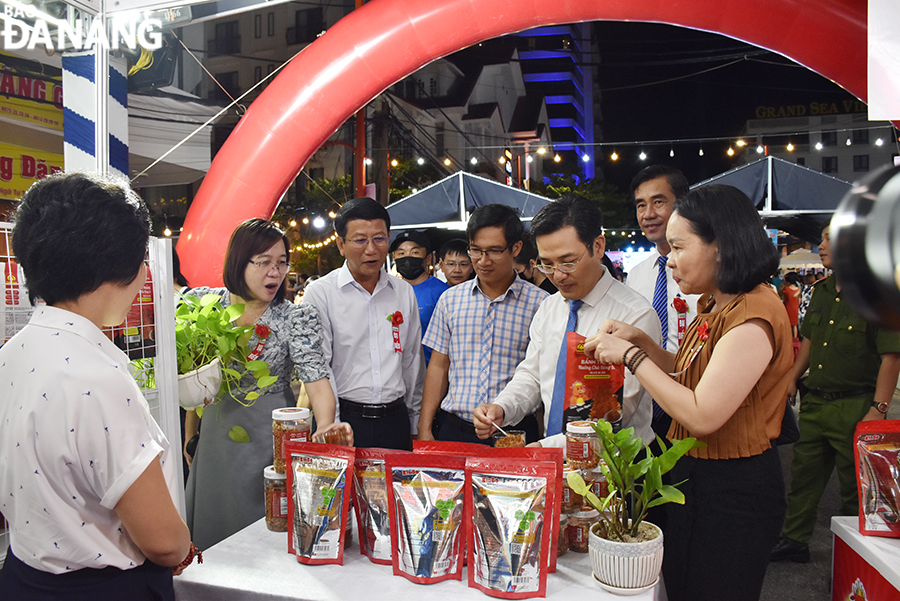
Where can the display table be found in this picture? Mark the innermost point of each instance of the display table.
(254, 565)
(869, 563)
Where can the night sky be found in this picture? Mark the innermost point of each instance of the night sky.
(713, 104)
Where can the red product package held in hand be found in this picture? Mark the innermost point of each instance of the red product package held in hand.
(878, 477)
(593, 389)
(319, 479)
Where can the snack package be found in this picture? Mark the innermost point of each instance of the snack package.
(508, 535)
(371, 504)
(427, 513)
(593, 390)
(552, 454)
(878, 477)
(318, 481)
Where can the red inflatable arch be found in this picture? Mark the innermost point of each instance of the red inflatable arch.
(386, 40)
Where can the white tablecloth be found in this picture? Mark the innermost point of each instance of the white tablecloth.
(254, 565)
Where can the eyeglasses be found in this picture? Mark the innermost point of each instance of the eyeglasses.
(562, 267)
(267, 265)
(453, 265)
(361, 243)
(493, 254)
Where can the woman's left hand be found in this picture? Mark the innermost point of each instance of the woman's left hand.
(606, 348)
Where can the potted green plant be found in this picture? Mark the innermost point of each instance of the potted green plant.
(208, 348)
(635, 486)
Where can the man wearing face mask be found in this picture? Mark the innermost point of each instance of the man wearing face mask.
(524, 263)
(411, 254)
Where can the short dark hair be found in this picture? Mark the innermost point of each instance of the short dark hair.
(74, 232)
(528, 252)
(724, 215)
(573, 210)
(677, 181)
(457, 246)
(793, 278)
(496, 215)
(250, 238)
(364, 209)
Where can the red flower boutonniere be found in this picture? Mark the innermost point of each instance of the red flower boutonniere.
(679, 305)
(396, 318)
(262, 332)
(703, 336)
(703, 332)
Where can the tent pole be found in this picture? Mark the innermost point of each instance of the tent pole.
(769, 179)
(462, 200)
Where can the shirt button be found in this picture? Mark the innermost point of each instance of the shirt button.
(831, 322)
(820, 366)
(849, 328)
(824, 344)
(837, 300)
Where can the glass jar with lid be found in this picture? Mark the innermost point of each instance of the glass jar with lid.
(582, 445)
(579, 528)
(288, 423)
(276, 499)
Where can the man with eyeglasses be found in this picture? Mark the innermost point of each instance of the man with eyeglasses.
(411, 254)
(654, 190)
(570, 243)
(479, 331)
(372, 337)
(455, 264)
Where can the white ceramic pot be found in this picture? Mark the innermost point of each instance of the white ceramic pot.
(198, 388)
(626, 568)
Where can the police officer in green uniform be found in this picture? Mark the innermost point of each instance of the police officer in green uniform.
(853, 367)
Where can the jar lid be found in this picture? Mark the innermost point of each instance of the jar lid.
(591, 514)
(289, 414)
(270, 474)
(582, 427)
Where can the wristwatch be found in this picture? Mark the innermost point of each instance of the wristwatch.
(882, 406)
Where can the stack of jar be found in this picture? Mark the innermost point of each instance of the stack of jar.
(288, 423)
(582, 456)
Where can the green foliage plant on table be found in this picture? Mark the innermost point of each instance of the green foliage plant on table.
(638, 482)
(204, 331)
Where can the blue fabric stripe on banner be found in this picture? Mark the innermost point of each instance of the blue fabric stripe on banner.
(118, 154)
(78, 131)
(83, 66)
(118, 87)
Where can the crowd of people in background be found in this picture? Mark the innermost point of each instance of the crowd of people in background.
(448, 345)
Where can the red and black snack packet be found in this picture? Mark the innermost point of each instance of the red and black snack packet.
(878, 477)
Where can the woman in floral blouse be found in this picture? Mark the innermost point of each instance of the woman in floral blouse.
(225, 487)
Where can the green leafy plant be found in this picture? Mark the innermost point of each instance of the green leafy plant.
(204, 331)
(634, 487)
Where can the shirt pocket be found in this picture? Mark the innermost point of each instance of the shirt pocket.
(850, 335)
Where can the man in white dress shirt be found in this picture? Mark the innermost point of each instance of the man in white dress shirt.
(654, 190)
(372, 334)
(570, 250)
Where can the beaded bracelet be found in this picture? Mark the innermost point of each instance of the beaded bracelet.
(628, 350)
(635, 359)
(190, 557)
(638, 363)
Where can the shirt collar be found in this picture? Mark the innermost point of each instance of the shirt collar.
(599, 290)
(59, 319)
(515, 288)
(345, 278)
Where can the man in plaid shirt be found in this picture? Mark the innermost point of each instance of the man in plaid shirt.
(479, 332)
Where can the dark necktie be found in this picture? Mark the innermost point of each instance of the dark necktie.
(554, 422)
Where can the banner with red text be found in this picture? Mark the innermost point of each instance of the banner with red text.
(20, 167)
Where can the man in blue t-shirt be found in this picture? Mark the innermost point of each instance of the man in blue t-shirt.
(411, 254)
